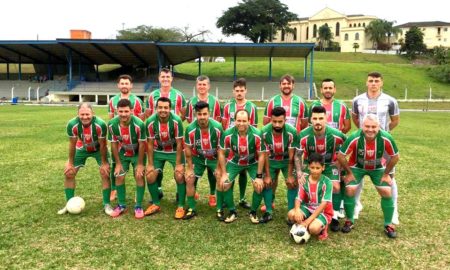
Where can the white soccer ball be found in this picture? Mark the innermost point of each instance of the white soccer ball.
(75, 205)
(299, 234)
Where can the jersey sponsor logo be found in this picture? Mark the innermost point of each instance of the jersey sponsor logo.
(243, 148)
(125, 137)
(87, 137)
(311, 148)
(320, 147)
(370, 153)
(232, 115)
(205, 141)
(360, 152)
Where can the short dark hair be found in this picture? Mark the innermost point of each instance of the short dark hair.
(164, 99)
(124, 103)
(288, 78)
(125, 77)
(165, 70)
(375, 75)
(328, 80)
(242, 110)
(202, 78)
(315, 157)
(319, 109)
(201, 105)
(278, 111)
(240, 82)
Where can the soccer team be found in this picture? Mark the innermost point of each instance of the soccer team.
(323, 168)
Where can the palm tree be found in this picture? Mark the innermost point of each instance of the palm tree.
(325, 36)
(376, 30)
(391, 30)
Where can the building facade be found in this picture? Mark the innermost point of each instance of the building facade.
(435, 33)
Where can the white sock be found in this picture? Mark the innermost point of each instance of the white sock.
(358, 192)
(394, 194)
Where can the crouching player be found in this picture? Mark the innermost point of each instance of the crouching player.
(313, 207)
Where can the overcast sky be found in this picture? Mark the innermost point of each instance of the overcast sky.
(48, 20)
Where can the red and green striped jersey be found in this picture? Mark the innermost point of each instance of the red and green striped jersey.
(128, 137)
(230, 109)
(214, 108)
(244, 150)
(204, 144)
(326, 145)
(177, 100)
(136, 103)
(164, 135)
(312, 194)
(278, 145)
(295, 107)
(337, 112)
(87, 136)
(368, 155)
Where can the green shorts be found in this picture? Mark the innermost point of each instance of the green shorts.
(200, 165)
(82, 155)
(160, 158)
(331, 171)
(233, 170)
(375, 176)
(322, 218)
(276, 165)
(126, 161)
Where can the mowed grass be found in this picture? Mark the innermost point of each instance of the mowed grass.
(34, 151)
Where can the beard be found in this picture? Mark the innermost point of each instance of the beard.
(279, 130)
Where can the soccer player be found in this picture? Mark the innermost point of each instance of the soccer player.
(203, 85)
(322, 139)
(313, 208)
(202, 139)
(281, 142)
(165, 143)
(295, 107)
(247, 153)
(374, 101)
(127, 137)
(125, 85)
(228, 121)
(366, 148)
(87, 138)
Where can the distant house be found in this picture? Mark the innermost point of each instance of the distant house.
(436, 33)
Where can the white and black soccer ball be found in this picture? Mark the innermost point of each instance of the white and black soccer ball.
(299, 234)
(75, 205)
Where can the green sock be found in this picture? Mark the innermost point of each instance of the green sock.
(387, 206)
(229, 199)
(336, 201)
(105, 194)
(159, 179)
(268, 199)
(349, 206)
(256, 200)
(291, 194)
(121, 193)
(191, 202)
(139, 195)
(70, 192)
(154, 192)
(220, 196)
(242, 184)
(212, 182)
(181, 190)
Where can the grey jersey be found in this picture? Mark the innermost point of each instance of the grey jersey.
(384, 106)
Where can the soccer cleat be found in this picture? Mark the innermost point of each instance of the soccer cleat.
(212, 201)
(152, 209)
(119, 210)
(138, 212)
(389, 230)
(358, 208)
(220, 215)
(62, 211)
(266, 218)
(179, 213)
(244, 204)
(348, 226)
(196, 196)
(190, 213)
(113, 195)
(334, 225)
(232, 216)
(323, 234)
(253, 217)
(108, 209)
(395, 220)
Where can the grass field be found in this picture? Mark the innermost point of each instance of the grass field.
(33, 153)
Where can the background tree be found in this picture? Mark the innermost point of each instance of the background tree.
(391, 30)
(257, 20)
(144, 32)
(378, 30)
(414, 42)
(198, 36)
(325, 36)
(355, 46)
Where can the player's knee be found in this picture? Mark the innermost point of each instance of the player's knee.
(350, 191)
(385, 192)
(315, 227)
(290, 215)
(336, 187)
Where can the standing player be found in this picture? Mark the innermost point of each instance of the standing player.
(228, 121)
(322, 139)
(281, 141)
(202, 138)
(295, 107)
(203, 85)
(87, 138)
(247, 154)
(366, 148)
(127, 137)
(125, 85)
(165, 143)
(374, 101)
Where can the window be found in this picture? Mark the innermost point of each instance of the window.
(439, 30)
(282, 34)
(357, 36)
(338, 26)
(346, 37)
(314, 31)
(445, 29)
(354, 25)
(295, 33)
(307, 32)
(350, 25)
(359, 24)
(364, 24)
